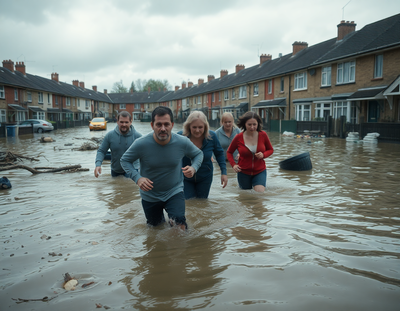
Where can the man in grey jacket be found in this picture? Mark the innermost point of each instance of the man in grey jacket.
(118, 141)
(160, 178)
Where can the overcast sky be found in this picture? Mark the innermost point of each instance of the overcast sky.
(101, 42)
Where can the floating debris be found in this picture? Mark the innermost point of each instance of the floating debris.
(70, 283)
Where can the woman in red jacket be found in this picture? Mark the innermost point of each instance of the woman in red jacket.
(253, 146)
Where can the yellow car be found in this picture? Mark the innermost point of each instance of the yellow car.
(98, 124)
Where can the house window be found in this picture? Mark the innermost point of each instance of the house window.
(48, 98)
(198, 100)
(326, 76)
(40, 97)
(282, 84)
(255, 92)
(137, 106)
(20, 116)
(38, 115)
(87, 104)
(378, 70)
(233, 93)
(3, 116)
(212, 97)
(102, 105)
(300, 81)
(79, 102)
(322, 111)
(341, 109)
(2, 93)
(29, 95)
(56, 100)
(303, 112)
(346, 72)
(73, 102)
(122, 106)
(15, 94)
(219, 96)
(242, 92)
(68, 101)
(226, 95)
(270, 86)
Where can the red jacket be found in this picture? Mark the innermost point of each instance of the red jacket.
(248, 163)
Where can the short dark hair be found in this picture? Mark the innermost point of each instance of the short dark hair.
(246, 117)
(161, 111)
(124, 114)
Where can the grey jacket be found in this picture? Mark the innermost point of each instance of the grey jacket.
(118, 144)
(225, 141)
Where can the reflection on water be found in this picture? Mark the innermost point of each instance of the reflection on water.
(321, 239)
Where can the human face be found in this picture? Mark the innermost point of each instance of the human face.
(227, 123)
(251, 125)
(197, 129)
(124, 124)
(162, 128)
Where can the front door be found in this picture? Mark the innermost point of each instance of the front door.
(373, 111)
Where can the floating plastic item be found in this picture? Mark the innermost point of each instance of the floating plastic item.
(371, 138)
(301, 162)
(287, 134)
(4, 183)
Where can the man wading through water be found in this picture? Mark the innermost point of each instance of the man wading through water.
(160, 179)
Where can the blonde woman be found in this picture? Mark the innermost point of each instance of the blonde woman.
(227, 132)
(196, 129)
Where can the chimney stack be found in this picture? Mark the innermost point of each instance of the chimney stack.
(75, 83)
(239, 67)
(148, 89)
(210, 78)
(105, 91)
(190, 84)
(19, 66)
(223, 73)
(298, 46)
(8, 64)
(82, 84)
(200, 82)
(94, 87)
(176, 87)
(344, 28)
(183, 85)
(54, 76)
(264, 58)
(165, 89)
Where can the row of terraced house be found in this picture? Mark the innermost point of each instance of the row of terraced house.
(354, 77)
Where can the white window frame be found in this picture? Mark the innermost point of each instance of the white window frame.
(38, 115)
(226, 95)
(40, 97)
(378, 66)
(303, 112)
(29, 96)
(199, 100)
(282, 84)
(122, 106)
(300, 81)
(346, 72)
(3, 116)
(87, 104)
(326, 74)
(320, 108)
(68, 101)
(2, 92)
(20, 116)
(255, 91)
(233, 93)
(15, 94)
(48, 98)
(270, 86)
(243, 92)
(341, 108)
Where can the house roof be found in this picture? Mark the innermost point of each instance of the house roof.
(368, 93)
(279, 102)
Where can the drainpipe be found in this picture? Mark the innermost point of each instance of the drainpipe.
(290, 86)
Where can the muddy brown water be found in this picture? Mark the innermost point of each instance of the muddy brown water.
(325, 239)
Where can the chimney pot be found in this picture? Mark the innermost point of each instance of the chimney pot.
(8, 64)
(94, 87)
(176, 87)
(298, 46)
(210, 78)
(190, 84)
(82, 84)
(264, 58)
(20, 67)
(344, 28)
(224, 72)
(54, 76)
(75, 83)
(200, 82)
(239, 68)
(183, 85)
(105, 91)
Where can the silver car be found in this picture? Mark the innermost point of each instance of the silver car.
(39, 126)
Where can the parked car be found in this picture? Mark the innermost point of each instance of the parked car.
(98, 124)
(39, 126)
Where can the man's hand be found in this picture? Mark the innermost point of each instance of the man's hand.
(224, 180)
(97, 171)
(188, 171)
(145, 184)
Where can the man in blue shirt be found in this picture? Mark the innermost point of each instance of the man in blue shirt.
(160, 178)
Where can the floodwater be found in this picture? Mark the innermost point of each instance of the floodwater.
(325, 239)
